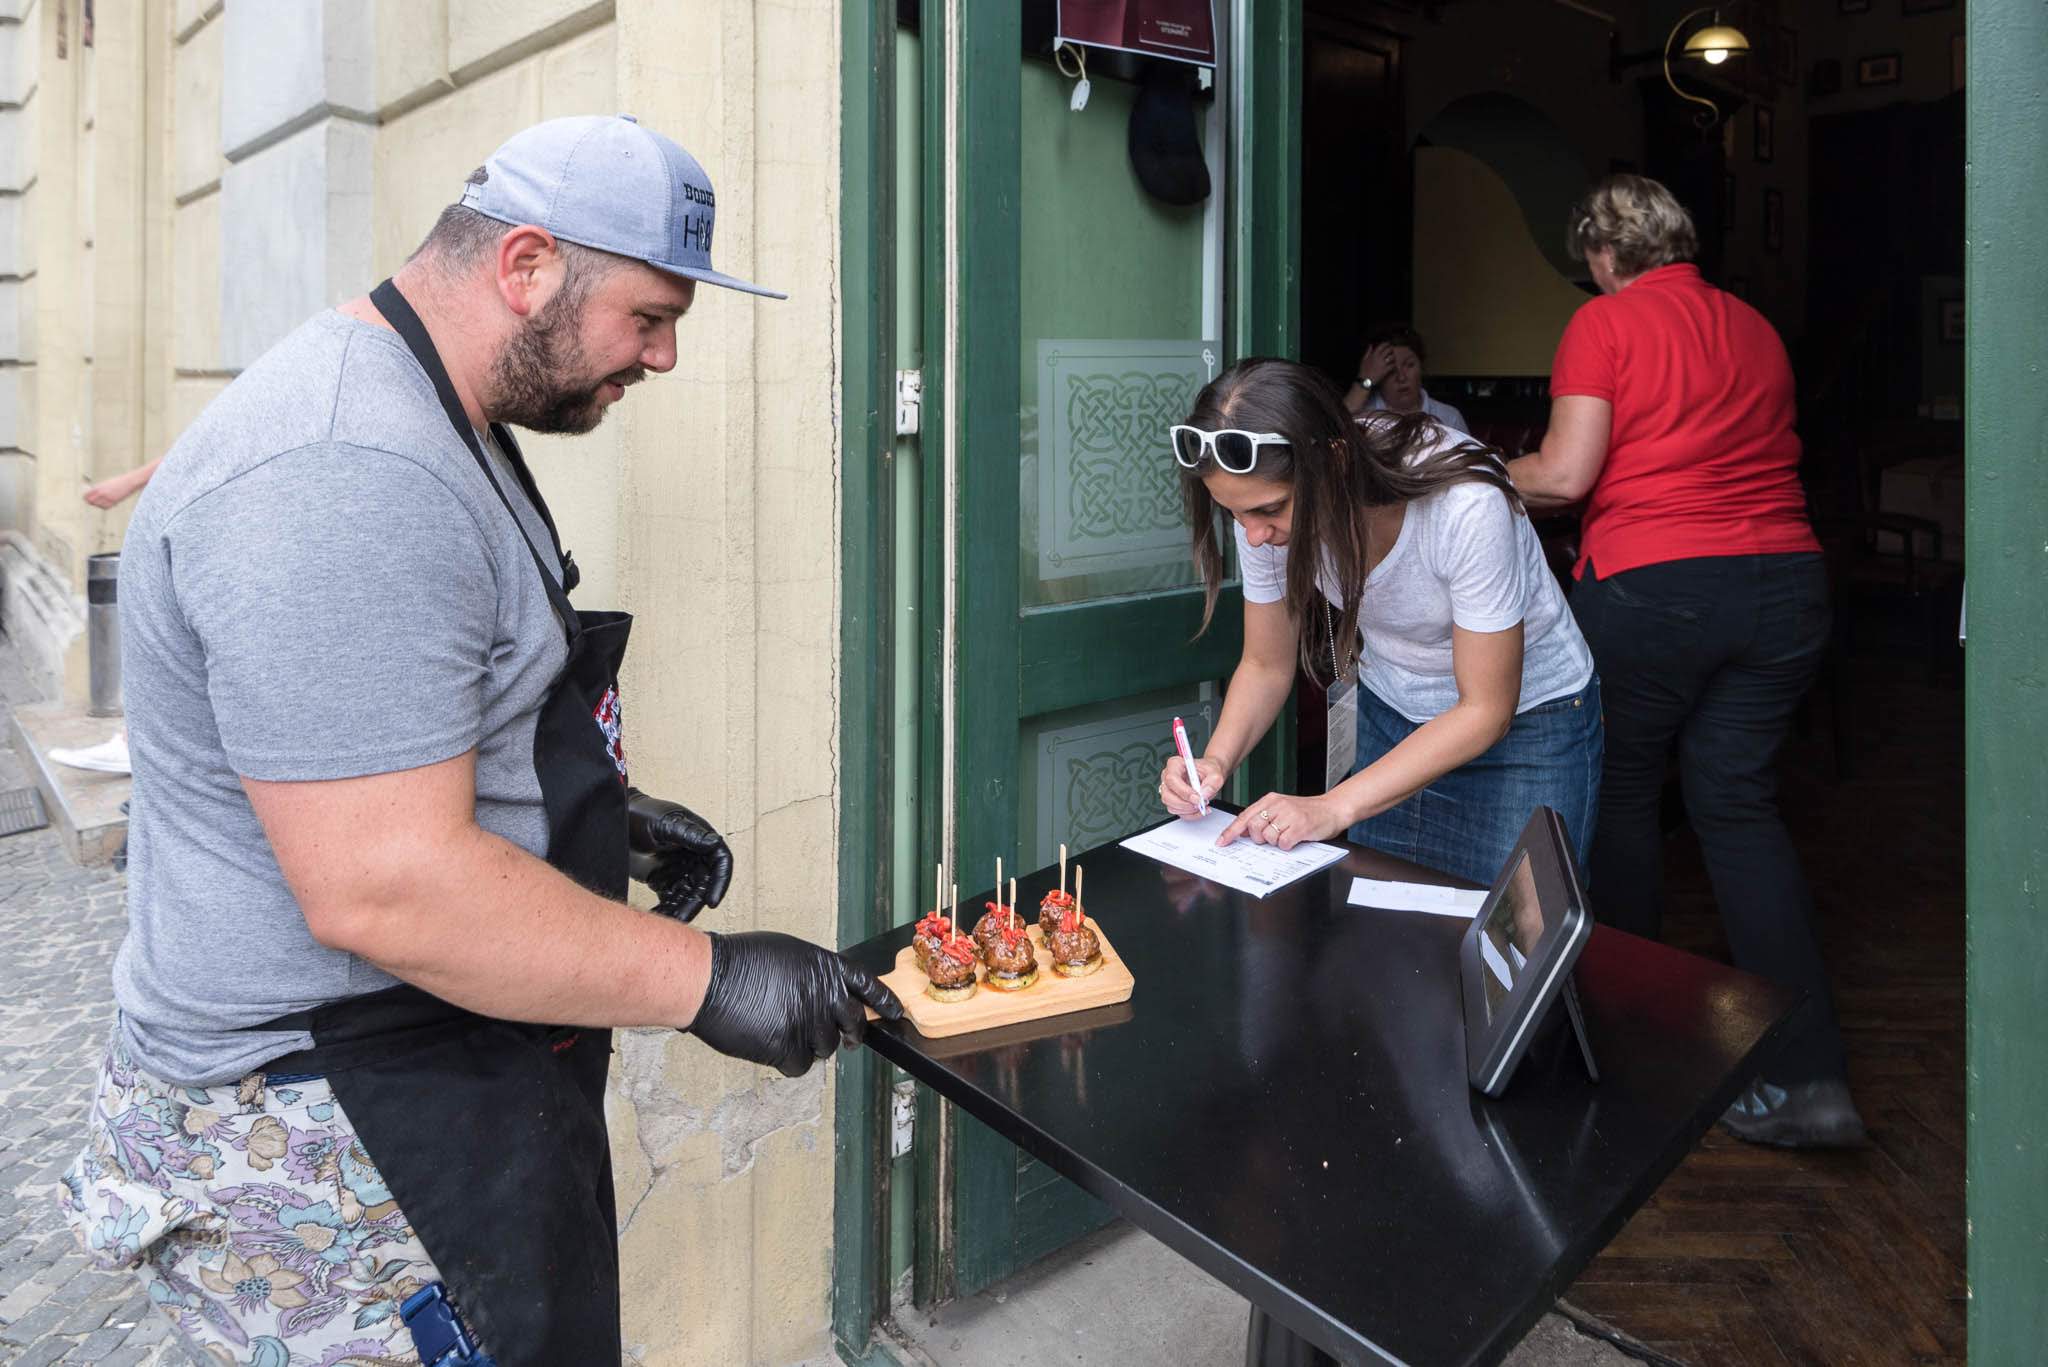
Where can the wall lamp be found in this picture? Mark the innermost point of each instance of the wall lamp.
(1714, 44)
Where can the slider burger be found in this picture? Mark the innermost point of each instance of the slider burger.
(931, 932)
(1012, 962)
(1076, 952)
(1055, 905)
(951, 969)
(993, 922)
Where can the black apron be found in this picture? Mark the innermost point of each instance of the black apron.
(490, 1134)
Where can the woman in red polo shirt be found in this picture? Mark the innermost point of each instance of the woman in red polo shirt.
(1702, 593)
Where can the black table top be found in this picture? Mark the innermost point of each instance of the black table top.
(1283, 1102)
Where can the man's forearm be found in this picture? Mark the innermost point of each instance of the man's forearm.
(489, 927)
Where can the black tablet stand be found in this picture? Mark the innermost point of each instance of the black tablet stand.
(1578, 1020)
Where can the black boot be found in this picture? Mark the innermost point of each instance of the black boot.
(1806, 1115)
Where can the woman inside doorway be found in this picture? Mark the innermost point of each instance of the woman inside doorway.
(1702, 590)
(1390, 377)
(1387, 543)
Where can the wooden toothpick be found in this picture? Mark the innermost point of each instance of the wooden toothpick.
(953, 918)
(1013, 904)
(999, 878)
(1080, 916)
(1063, 870)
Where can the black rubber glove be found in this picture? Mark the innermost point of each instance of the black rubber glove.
(677, 853)
(775, 999)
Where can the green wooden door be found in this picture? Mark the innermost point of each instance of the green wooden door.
(2005, 726)
(1079, 319)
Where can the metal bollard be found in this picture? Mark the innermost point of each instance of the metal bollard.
(103, 634)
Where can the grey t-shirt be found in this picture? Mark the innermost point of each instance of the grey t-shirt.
(319, 583)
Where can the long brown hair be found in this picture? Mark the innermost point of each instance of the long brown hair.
(1336, 465)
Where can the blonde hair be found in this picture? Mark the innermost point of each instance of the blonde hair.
(1639, 219)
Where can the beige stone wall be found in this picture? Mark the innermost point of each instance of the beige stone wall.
(20, 51)
(729, 553)
(707, 504)
(197, 368)
(54, 338)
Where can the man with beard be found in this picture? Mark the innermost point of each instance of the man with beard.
(353, 1104)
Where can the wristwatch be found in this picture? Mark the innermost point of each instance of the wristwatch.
(1365, 384)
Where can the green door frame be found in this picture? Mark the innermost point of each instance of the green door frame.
(2005, 732)
(860, 1258)
(1262, 249)
(1044, 664)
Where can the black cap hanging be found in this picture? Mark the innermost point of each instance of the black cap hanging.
(1166, 146)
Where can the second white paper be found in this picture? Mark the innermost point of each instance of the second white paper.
(1392, 896)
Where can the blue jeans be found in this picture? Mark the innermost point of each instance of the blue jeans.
(1467, 822)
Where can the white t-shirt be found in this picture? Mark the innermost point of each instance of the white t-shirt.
(1464, 556)
(1444, 413)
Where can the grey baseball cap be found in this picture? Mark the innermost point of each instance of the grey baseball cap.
(608, 183)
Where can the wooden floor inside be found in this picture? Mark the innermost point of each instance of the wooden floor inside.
(1758, 1256)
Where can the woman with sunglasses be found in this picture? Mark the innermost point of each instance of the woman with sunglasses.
(1477, 699)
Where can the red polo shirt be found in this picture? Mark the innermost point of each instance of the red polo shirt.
(1702, 459)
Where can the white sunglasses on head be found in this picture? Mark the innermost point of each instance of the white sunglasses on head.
(1235, 451)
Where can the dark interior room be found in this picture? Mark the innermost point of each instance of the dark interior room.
(1444, 142)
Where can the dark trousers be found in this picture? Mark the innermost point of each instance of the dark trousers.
(1715, 654)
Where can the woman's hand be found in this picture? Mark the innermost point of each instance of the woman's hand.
(1175, 793)
(110, 492)
(1376, 363)
(1285, 820)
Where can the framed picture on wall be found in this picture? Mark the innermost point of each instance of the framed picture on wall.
(1951, 320)
(1765, 142)
(1774, 221)
(1924, 6)
(1786, 68)
(1880, 68)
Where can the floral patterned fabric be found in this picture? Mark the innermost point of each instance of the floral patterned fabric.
(252, 1214)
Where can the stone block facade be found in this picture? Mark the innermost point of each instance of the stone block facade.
(179, 195)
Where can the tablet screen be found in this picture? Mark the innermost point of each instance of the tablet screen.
(1509, 937)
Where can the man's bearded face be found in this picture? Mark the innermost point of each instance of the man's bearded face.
(545, 379)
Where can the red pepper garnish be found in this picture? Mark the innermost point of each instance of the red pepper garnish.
(1070, 920)
(960, 949)
(1011, 935)
(1056, 898)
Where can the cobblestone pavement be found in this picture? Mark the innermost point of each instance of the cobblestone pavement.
(59, 927)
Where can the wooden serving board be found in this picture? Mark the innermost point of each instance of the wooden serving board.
(1051, 995)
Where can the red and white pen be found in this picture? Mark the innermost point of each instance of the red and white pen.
(1187, 757)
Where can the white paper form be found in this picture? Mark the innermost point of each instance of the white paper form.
(1463, 903)
(1242, 864)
